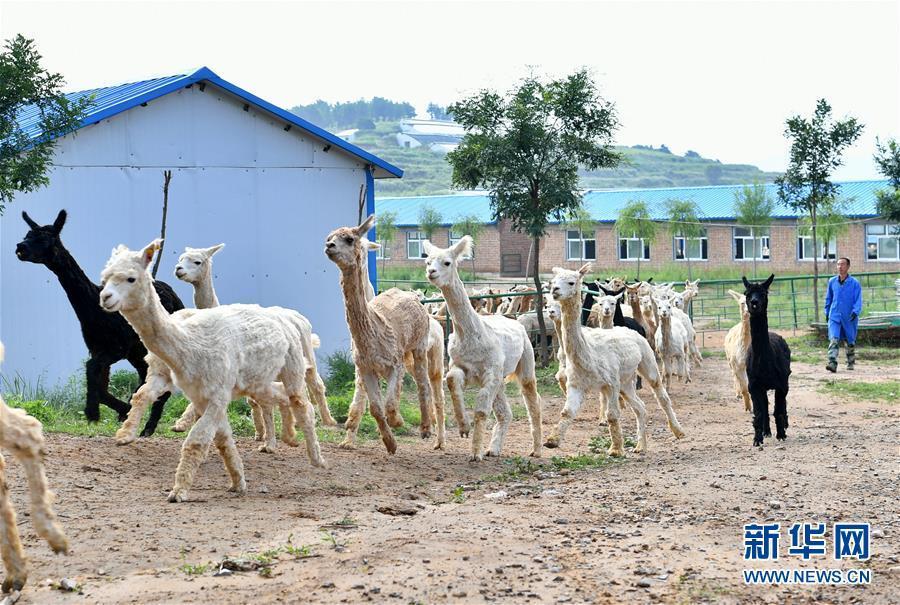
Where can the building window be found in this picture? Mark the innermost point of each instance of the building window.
(805, 248)
(574, 250)
(882, 242)
(414, 241)
(383, 253)
(745, 248)
(633, 248)
(693, 248)
(454, 239)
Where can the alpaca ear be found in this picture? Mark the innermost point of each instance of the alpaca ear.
(620, 295)
(736, 296)
(28, 220)
(557, 270)
(463, 247)
(428, 247)
(366, 225)
(372, 245)
(212, 250)
(746, 283)
(769, 281)
(650, 281)
(149, 250)
(59, 222)
(585, 269)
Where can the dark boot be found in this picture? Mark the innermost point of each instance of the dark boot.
(851, 355)
(833, 348)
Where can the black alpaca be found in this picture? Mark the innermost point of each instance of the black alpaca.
(108, 336)
(768, 364)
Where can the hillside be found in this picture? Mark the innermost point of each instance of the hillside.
(428, 173)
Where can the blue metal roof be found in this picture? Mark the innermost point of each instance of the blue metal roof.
(451, 207)
(715, 202)
(113, 100)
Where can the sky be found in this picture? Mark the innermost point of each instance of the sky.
(717, 77)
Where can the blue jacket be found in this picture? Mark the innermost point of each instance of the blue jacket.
(843, 304)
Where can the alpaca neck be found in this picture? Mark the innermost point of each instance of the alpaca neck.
(205, 293)
(759, 333)
(636, 311)
(606, 321)
(157, 330)
(572, 335)
(745, 328)
(465, 320)
(665, 324)
(83, 294)
(356, 307)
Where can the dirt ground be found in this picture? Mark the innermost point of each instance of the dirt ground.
(665, 526)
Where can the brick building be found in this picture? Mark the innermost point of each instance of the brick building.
(868, 241)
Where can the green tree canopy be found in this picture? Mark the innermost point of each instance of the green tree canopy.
(23, 81)
(887, 158)
(470, 225)
(684, 217)
(831, 223)
(385, 232)
(430, 220)
(817, 145)
(753, 208)
(634, 220)
(526, 146)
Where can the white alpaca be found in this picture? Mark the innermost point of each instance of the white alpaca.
(737, 347)
(215, 355)
(23, 435)
(606, 361)
(632, 296)
(678, 303)
(484, 350)
(606, 310)
(671, 343)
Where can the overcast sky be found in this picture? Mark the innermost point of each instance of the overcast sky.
(716, 77)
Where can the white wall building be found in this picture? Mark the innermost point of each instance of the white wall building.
(267, 183)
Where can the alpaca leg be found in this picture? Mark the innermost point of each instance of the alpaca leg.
(306, 417)
(93, 377)
(528, 386)
(188, 417)
(196, 444)
(561, 379)
(456, 381)
(503, 414)
(42, 515)
(373, 393)
(355, 413)
(288, 420)
(617, 444)
(781, 418)
(392, 397)
(423, 387)
(640, 414)
(119, 407)
(11, 547)
(574, 400)
(259, 423)
(224, 441)
(316, 388)
(484, 400)
(744, 390)
(156, 411)
(265, 411)
(153, 386)
(436, 378)
(760, 415)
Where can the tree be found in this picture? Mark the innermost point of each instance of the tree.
(685, 218)
(385, 231)
(437, 112)
(634, 220)
(24, 161)
(753, 209)
(887, 158)
(816, 148)
(469, 225)
(580, 219)
(525, 147)
(832, 223)
(430, 220)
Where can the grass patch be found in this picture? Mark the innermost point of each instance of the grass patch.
(888, 390)
(809, 349)
(519, 468)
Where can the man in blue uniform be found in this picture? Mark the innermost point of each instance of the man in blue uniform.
(843, 304)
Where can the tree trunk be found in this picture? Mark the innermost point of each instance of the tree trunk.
(812, 214)
(539, 304)
(753, 239)
(639, 262)
(167, 178)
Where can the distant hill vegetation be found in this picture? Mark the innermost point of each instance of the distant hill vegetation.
(427, 173)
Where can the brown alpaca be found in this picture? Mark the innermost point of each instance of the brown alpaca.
(389, 332)
(22, 434)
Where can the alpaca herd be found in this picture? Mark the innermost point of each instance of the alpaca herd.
(215, 353)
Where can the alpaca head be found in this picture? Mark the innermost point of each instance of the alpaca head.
(757, 294)
(664, 307)
(677, 299)
(41, 243)
(608, 304)
(195, 264)
(554, 311)
(441, 263)
(615, 284)
(347, 247)
(741, 301)
(125, 279)
(566, 284)
(633, 292)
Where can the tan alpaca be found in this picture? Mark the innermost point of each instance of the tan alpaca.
(21, 434)
(737, 346)
(387, 332)
(215, 356)
(484, 350)
(633, 297)
(606, 361)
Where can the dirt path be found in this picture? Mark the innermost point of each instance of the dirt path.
(661, 527)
